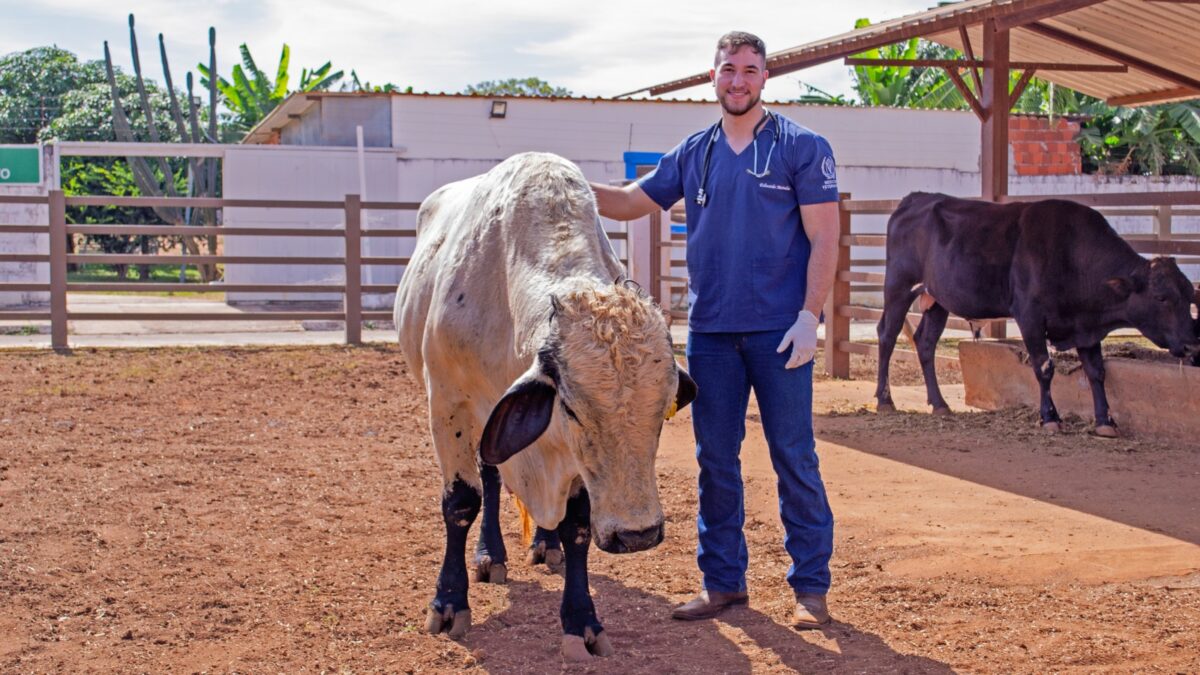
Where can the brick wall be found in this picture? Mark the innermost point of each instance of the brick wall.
(1041, 147)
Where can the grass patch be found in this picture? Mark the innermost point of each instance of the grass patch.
(101, 274)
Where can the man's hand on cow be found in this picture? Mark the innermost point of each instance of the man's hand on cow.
(802, 336)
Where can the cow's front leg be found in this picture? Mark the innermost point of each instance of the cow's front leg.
(450, 610)
(547, 549)
(1043, 370)
(582, 633)
(491, 558)
(1093, 366)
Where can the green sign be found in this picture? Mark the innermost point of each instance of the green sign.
(20, 165)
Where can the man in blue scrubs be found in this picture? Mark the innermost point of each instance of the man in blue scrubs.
(762, 234)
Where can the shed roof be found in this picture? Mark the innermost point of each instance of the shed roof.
(1156, 39)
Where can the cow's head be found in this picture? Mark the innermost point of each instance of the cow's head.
(608, 369)
(1158, 302)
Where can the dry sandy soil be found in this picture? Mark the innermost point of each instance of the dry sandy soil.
(277, 510)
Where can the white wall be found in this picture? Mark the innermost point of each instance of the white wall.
(27, 214)
(455, 127)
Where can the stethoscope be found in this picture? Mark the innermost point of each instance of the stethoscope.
(701, 194)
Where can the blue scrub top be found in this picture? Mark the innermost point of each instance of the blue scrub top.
(747, 253)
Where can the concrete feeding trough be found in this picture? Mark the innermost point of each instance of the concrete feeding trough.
(1147, 398)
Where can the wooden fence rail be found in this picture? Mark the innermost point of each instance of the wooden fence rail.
(58, 230)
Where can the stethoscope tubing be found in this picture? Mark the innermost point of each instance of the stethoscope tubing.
(701, 193)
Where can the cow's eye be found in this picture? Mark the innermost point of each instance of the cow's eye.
(570, 413)
(1161, 298)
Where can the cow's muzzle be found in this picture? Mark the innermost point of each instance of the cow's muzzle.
(632, 541)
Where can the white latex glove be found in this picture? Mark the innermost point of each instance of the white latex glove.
(802, 336)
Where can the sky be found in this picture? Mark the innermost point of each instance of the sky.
(596, 48)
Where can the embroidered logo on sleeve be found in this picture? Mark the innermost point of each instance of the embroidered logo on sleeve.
(830, 172)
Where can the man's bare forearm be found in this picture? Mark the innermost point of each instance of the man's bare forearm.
(823, 230)
(622, 203)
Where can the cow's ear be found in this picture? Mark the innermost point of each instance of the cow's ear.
(1122, 286)
(518, 419)
(686, 393)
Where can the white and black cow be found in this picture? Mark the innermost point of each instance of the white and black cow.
(542, 370)
(1055, 266)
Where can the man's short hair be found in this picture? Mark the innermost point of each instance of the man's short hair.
(733, 41)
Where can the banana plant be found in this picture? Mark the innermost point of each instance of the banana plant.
(250, 94)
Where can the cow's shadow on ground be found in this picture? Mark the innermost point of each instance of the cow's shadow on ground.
(1116, 479)
(525, 636)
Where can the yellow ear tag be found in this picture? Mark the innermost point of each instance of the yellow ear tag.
(672, 410)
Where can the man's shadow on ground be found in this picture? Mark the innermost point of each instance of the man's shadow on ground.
(526, 637)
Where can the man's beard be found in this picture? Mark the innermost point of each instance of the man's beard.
(750, 103)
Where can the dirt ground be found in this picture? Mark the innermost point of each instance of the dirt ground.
(277, 510)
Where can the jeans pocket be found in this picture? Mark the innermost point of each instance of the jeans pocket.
(778, 285)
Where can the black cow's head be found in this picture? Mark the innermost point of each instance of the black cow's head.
(1158, 302)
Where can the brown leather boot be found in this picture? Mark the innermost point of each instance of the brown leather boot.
(811, 611)
(708, 604)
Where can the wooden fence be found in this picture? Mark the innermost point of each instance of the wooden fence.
(352, 233)
(852, 279)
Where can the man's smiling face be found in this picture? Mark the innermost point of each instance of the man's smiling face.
(739, 77)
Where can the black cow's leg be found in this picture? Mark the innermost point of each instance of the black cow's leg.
(1043, 370)
(546, 548)
(582, 633)
(929, 331)
(1093, 365)
(450, 610)
(491, 558)
(896, 301)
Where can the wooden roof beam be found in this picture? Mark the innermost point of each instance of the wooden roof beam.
(1098, 49)
(1015, 65)
(1046, 11)
(1147, 97)
(940, 20)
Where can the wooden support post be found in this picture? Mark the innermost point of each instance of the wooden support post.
(837, 327)
(1162, 221)
(353, 298)
(656, 255)
(995, 100)
(58, 270)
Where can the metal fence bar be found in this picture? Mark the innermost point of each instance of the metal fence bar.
(58, 270)
(353, 295)
(137, 259)
(190, 287)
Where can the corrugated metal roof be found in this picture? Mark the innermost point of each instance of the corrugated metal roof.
(1157, 39)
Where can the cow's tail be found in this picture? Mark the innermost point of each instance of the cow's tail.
(526, 522)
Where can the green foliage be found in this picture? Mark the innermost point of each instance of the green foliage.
(1152, 140)
(885, 85)
(529, 86)
(250, 95)
(356, 85)
(33, 84)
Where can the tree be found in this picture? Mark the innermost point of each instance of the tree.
(252, 95)
(32, 86)
(529, 86)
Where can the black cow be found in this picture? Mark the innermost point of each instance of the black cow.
(1055, 266)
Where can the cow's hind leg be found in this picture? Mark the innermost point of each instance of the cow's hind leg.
(897, 298)
(547, 549)
(450, 610)
(929, 331)
(491, 558)
(583, 635)
(1093, 366)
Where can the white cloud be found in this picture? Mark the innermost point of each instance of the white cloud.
(443, 45)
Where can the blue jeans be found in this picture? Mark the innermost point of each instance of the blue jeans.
(726, 366)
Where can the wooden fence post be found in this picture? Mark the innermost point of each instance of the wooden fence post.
(837, 327)
(352, 304)
(58, 270)
(656, 252)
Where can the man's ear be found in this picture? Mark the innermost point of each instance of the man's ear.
(519, 418)
(686, 393)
